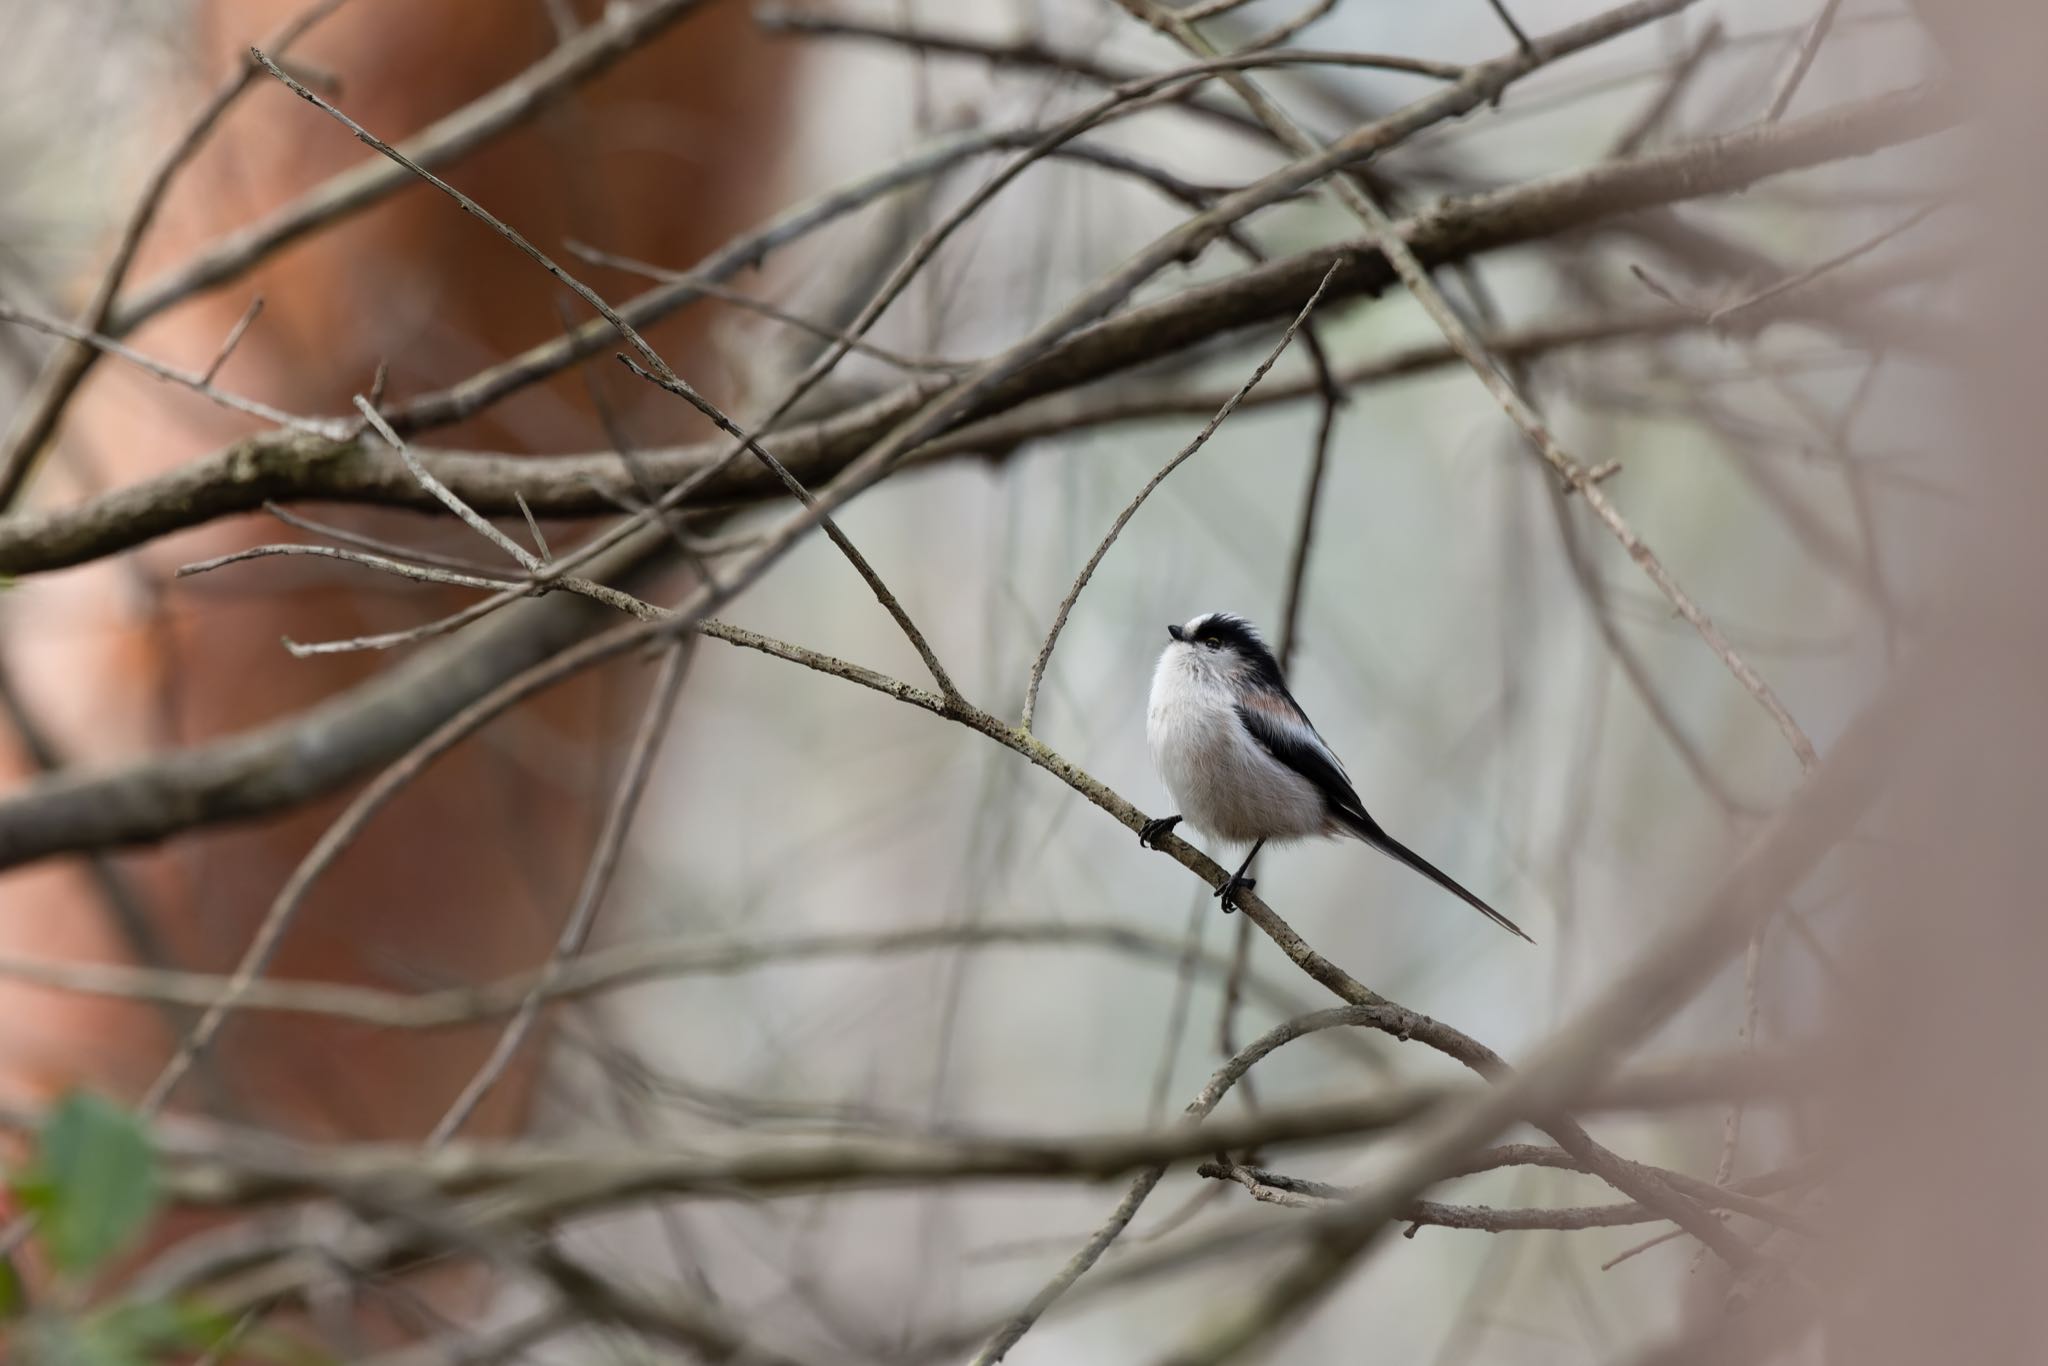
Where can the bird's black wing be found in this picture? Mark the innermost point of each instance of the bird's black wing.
(1285, 733)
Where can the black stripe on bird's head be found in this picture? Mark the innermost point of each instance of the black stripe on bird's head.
(1234, 643)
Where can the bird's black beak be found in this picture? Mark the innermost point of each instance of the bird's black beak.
(1174, 631)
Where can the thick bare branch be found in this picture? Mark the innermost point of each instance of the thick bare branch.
(289, 466)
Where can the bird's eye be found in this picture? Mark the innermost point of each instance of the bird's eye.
(1213, 642)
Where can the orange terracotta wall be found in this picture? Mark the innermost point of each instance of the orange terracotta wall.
(662, 158)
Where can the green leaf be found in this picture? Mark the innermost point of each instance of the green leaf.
(72, 1342)
(13, 1294)
(93, 1182)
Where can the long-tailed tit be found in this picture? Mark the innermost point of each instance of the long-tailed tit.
(1240, 757)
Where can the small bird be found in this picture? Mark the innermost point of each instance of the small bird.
(1240, 757)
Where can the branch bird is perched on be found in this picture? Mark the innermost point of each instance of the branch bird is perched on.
(1240, 757)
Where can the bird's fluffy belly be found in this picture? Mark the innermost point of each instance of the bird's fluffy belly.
(1225, 783)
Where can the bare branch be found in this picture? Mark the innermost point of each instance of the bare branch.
(616, 968)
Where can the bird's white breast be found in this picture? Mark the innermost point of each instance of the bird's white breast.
(1223, 781)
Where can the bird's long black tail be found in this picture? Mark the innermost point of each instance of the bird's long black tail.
(1369, 831)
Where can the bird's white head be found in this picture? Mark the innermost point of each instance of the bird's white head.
(1220, 648)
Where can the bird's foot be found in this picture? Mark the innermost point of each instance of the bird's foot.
(1150, 835)
(1227, 893)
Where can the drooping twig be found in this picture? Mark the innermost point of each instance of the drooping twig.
(826, 523)
(404, 569)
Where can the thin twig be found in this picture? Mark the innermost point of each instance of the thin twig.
(331, 428)
(999, 1343)
(1116, 527)
(417, 572)
(597, 879)
(504, 591)
(525, 558)
(1721, 317)
(1279, 33)
(618, 967)
(540, 542)
(826, 522)
(234, 339)
(1508, 21)
(1329, 392)
(1659, 109)
(1809, 48)
(1642, 1247)
(1276, 1188)
(1033, 54)
(712, 290)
